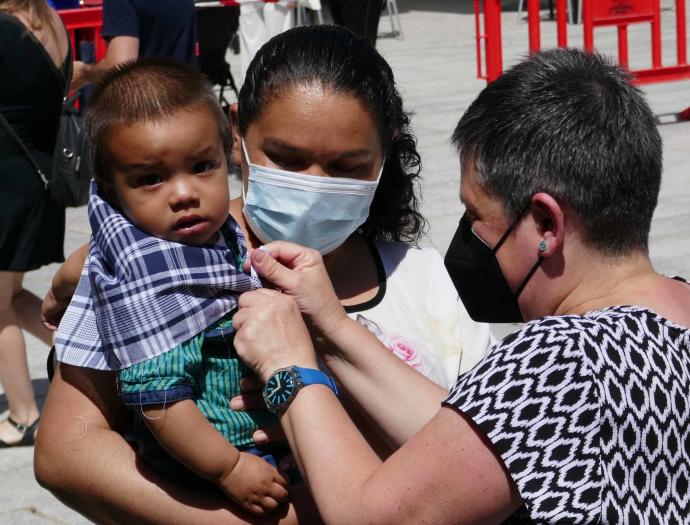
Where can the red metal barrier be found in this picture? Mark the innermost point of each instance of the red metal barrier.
(491, 37)
(90, 21)
(595, 13)
(86, 19)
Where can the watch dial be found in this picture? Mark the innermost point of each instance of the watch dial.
(280, 387)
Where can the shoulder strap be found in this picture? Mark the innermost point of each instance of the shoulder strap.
(68, 59)
(8, 128)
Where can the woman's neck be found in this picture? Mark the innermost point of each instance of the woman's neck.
(606, 281)
(626, 281)
(353, 271)
(252, 240)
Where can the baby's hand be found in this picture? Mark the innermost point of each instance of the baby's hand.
(255, 485)
(52, 310)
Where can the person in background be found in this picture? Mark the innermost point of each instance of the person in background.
(359, 16)
(32, 225)
(136, 28)
(259, 22)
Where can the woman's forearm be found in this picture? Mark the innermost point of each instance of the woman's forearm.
(445, 474)
(320, 433)
(398, 399)
(120, 488)
(90, 467)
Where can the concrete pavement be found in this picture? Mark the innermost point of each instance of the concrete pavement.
(435, 68)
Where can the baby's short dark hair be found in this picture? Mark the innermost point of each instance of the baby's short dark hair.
(146, 90)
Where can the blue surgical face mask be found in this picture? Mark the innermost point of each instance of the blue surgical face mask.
(317, 212)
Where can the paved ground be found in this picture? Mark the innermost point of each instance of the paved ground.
(435, 68)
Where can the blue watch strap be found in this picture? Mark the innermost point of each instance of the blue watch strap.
(311, 376)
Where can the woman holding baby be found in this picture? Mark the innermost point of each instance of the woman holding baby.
(319, 107)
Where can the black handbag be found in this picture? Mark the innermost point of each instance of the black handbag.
(71, 170)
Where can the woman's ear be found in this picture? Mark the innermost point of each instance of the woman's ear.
(549, 218)
(236, 150)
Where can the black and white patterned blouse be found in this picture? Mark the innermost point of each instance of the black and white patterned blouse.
(591, 416)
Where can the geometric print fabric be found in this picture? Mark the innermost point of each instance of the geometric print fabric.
(590, 415)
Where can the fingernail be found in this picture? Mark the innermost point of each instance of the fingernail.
(265, 249)
(260, 436)
(259, 254)
(236, 403)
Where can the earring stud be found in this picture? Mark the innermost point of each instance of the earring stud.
(543, 246)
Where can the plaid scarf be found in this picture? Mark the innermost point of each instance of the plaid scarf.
(139, 296)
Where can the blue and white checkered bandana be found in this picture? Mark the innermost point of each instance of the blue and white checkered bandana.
(139, 296)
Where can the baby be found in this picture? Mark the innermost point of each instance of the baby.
(162, 277)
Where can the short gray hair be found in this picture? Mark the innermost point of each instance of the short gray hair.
(570, 124)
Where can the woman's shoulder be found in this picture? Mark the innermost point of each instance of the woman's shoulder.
(545, 342)
(597, 340)
(559, 329)
(12, 27)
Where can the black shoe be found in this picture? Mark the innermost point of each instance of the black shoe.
(27, 432)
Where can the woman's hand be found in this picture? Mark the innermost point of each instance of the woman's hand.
(270, 333)
(251, 398)
(300, 273)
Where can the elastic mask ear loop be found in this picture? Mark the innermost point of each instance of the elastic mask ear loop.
(249, 165)
(528, 277)
(503, 239)
(383, 165)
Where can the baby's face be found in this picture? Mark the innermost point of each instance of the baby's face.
(170, 177)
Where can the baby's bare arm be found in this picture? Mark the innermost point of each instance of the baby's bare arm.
(187, 435)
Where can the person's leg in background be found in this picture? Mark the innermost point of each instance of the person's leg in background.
(359, 16)
(278, 17)
(27, 308)
(336, 9)
(252, 32)
(374, 8)
(18, 309)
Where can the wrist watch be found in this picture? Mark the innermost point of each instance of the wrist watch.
(283, 385)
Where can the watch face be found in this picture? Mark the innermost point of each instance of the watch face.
(280, 388)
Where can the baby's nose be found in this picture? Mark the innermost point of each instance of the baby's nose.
(183, 192)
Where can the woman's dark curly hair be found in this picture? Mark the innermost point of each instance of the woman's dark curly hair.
(337, 59)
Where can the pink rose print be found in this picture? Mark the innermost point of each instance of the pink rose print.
(415, 354)
(401, 346)
(404, 349)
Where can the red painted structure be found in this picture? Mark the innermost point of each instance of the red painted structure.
(595, 13)
(91, 19)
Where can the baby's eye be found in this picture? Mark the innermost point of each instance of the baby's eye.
(149, 180)
(202, 167)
